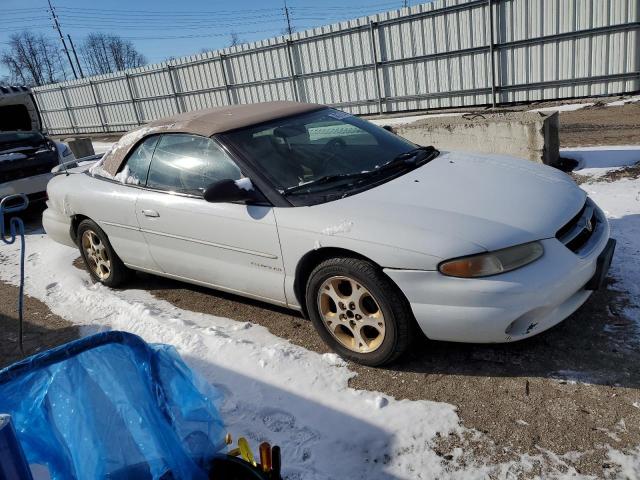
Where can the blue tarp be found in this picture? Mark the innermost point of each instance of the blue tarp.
(112, 406)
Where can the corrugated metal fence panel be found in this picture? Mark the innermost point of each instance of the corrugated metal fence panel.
(431, 55)
(598, 53)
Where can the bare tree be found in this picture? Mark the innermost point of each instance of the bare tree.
(33, 59)
(103, 53)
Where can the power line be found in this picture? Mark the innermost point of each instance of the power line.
(73, 48)
(286, 14)
(57, 27)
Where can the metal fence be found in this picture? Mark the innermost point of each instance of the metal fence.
(442, 54)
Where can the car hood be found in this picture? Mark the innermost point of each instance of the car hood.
(457, 204)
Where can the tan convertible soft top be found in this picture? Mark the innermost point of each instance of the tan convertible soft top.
(204, 122)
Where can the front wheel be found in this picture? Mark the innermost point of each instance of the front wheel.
(100, 259)
(358, 311)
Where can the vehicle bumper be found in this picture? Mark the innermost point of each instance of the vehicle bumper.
(58, 227)
(506, 307)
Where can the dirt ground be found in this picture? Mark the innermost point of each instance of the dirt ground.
(600, 125)
(575, 388)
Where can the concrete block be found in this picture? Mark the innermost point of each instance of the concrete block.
(81, 147)
(529, 135)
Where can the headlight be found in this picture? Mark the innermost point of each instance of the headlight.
(492, 263)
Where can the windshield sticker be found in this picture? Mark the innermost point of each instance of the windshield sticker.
(338, 115)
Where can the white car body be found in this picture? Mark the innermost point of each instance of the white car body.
(458, 204)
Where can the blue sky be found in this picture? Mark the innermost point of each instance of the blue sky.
(162, 29)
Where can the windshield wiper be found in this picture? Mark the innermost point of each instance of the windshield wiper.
(411, 159)
(324, 180)
(417, 156)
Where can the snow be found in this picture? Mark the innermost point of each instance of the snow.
(124, 176)
(244, 184)
(569, 107)
(596, 161)
(343, 227)
(394, 121)
(620, 200)
(619, 103)
(273, 390)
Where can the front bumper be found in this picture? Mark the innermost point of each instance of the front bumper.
(506, 307)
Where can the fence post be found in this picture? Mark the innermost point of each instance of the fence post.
(491, 55)
(292, 73)
(95, 100)
(66, 107)
(173, 89)
(222, 58)
(376, 64)
(133, 100)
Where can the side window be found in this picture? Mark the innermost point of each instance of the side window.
(189, 164)
(137, 166)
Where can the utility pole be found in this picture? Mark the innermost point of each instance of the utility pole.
(286, 13)
(75, 55)
(56, 25)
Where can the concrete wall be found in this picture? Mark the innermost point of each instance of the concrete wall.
(529, 135)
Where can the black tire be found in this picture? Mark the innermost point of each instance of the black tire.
(397, 316)
(118, 272)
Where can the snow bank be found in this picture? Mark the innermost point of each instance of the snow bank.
(596, 161)
(620, 200)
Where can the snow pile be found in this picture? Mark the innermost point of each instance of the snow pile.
(596, 161)
(620, 200)
(125, 176)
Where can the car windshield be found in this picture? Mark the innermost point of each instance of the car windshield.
(319, 151)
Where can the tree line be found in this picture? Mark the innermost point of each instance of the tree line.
(35, 59)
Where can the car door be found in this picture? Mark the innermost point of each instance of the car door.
(232, 246)
(112, 203)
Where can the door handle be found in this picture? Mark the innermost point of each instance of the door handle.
(150, 213)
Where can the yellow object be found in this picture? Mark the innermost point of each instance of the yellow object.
(245, 451)
(234, 452)
(227, 439)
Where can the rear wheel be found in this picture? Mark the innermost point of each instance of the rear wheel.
(100, 259)
(358, 311)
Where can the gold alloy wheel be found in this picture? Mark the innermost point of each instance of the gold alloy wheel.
(96, 254)
(351, 314)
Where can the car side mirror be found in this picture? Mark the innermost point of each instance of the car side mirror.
(388, 128)
(231, 191)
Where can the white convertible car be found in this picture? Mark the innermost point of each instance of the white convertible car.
(368, 234)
